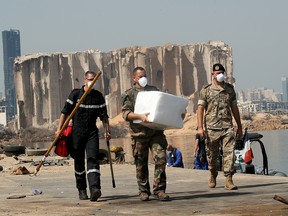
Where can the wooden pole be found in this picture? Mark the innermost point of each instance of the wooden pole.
(280, 199)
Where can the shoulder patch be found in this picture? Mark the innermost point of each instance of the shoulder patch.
(206, 86)
(124, 95)
(230, 85)
(128, 90)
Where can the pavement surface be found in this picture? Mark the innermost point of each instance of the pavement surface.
(56, 193)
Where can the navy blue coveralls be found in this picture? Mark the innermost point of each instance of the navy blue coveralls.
(200, 161)
(85, 135)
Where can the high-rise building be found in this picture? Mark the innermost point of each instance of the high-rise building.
(11, 49)
(2, 114)
(241, 96)
(284, 81)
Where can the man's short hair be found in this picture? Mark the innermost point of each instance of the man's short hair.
(138, 68)
(170, 147)
(90, 72)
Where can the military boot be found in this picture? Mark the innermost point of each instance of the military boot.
(161, 195)
(95, 193)
(83, 195)
(144, 196)
(212, 180)
(229, 184)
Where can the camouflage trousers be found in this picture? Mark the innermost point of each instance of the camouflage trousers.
(157, 145)
(215, 139)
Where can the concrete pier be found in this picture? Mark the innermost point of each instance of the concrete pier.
(187, 188)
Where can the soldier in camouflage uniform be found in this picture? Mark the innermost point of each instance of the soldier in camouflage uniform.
(218, 100)
(143, 139)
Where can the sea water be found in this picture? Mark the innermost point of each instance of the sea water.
(276, 146)
(275, 143)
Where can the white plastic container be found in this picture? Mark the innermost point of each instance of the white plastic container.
(165, 109)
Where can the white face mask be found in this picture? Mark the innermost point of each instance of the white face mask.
(89, 83)
(142, 81)
(220, 77)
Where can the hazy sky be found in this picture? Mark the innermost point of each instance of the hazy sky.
(257, 30)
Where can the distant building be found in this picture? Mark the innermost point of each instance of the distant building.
(2, 114)
(284, 82)
(277, 108)
(241, 96)
(261, 100)
(263, 94)
(11, 50)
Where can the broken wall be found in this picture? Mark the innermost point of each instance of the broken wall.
(43, 81)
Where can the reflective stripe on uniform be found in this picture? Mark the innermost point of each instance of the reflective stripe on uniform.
(93, 170)
(69, 101)
(92, 106)
(80, 173)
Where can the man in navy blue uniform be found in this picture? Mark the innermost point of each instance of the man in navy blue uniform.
(85, 137)
(174, 157)
(200, 161)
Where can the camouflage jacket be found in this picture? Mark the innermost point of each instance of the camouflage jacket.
(217, 102)
(128, 103)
